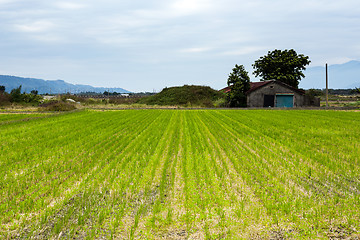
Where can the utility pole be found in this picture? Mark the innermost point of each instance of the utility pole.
(327, 86)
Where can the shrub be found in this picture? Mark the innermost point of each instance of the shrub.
(4, 99)
(91, 101)
(187, 95)
(314, 92)
(221, 102)
(123, 100)
(31, 98)
(57, 106)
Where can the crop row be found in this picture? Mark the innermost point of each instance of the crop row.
(153, 174)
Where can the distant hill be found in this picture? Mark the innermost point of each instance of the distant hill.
(341, 76)
(51, 86)
(187, 95)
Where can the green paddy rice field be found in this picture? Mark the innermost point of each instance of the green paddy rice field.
(180, 174)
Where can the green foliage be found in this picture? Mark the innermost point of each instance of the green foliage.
(34, 92)
(149, 174)
(113, 99)
(63, 97)
(285, 66)
(31, 98)
(91, 101)
(352, 104)
(16, 95)
(4, 99)
(106, 93)
(221, 102)
(57, 106)
(314, 92)
(239, 83)
(187, 95)
(123, 100)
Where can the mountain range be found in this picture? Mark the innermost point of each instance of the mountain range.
(51, 86)
(341, 76)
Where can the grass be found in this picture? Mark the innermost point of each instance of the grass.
(150, 174)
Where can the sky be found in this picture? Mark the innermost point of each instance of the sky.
(143, 45)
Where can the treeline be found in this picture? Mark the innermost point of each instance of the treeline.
(16, 96)
(106, 93)
(321, 92)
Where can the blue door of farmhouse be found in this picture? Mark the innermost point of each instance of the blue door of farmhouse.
(284, 100)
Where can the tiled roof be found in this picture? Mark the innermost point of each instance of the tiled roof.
(253, 85)
(257, 85)
(225, 89)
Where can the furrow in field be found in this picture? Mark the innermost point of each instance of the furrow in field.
(268, 183)
(192, 184)
(327, 136)
(68, 157)
(295, 156)
(244, 213)
(333, 179)
(175, 208)
(156, 180)
(123, 200)
(11, 118)
(192, 174)
(304, 211)
(99, 154)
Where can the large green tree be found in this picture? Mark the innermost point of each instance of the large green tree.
(16, 95)
(239, 83)
(285, 66)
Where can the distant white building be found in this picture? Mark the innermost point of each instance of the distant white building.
(48, 97)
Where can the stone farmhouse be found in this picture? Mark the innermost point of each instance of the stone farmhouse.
(277, 94)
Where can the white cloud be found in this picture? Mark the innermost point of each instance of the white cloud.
(3, 2)
(35, 27)
(186, 7)
(181, 34)
(50, 38)
(69, 5)
(124, 22)
(244, 51)
(195, 50)
(170, 11)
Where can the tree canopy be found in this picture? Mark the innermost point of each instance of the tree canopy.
(2, 88)
(16, 95)
(239, 83)
(285, 66)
